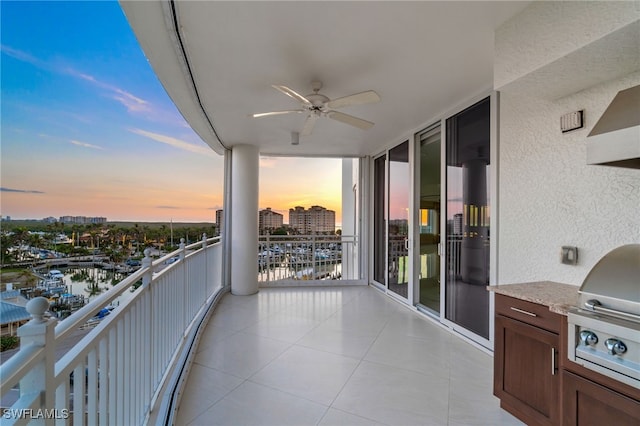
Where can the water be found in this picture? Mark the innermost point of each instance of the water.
(91, 282)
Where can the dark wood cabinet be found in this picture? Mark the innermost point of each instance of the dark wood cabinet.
(587, 403)
(527, 378)
(538, 384)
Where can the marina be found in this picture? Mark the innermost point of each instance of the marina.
(69, 289)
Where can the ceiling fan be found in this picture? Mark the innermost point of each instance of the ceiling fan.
(317, 105)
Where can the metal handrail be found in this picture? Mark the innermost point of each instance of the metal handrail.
(285, 259)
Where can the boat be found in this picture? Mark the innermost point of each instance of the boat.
(95, 320)
(52, 286)
(55, 275)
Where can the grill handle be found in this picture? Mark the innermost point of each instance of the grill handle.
(595, 306)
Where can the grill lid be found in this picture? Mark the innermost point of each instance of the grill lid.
(615, 280)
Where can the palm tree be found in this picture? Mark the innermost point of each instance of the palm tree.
(94, 289)
(6, 256)
(25, 276)
(35, 240)
(20, 236)
(76, 232)
(163, 235)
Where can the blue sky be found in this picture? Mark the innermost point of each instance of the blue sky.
(87, 129)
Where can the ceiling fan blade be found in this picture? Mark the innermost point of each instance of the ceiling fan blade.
(292, 93)
(267, 114)
(361, 98)
(309, 124)
(350, 119)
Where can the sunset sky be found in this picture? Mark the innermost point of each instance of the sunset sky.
(88, 130)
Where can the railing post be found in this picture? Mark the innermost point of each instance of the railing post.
(182, 249)
(313, 257)
(149, 317)
(146, 263)
(186, 291)
(268, 259)
(205, 282)
(40, 332)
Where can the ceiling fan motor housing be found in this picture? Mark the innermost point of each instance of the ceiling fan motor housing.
(317, 100)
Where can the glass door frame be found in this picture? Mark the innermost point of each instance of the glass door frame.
(415, 210)
(411, 227)
(494, 104)
(372, 231)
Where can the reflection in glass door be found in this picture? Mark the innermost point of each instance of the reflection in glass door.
(467, 252)
(398, 272)
(429, 218)
(379, 228)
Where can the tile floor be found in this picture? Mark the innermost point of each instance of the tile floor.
(334, 356)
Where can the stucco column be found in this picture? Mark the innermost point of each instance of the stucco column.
(244, 219)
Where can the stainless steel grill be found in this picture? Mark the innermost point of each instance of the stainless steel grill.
(604, 331)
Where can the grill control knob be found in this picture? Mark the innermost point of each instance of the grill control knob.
(588, 338)
(615, 346)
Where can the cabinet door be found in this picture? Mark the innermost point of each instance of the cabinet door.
(526, 376)
(588, 403)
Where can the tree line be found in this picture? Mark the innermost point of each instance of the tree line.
(117, 240)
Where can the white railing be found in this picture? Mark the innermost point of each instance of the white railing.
(303, 259)
(116, 374)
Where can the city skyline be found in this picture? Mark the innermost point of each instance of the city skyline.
(218, 218)
(87, 129)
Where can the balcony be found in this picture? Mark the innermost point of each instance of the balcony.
(181, 349)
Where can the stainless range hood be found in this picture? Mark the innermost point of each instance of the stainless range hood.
(615, 139)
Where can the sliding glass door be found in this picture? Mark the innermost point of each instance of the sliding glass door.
(431, 220)
(467, 236)
(391, 194)
(379, 220)
(398, 229)
(429, 214)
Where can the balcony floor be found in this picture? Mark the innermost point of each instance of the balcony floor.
(334, 356)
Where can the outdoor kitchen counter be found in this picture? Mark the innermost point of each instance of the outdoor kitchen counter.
(558, 297)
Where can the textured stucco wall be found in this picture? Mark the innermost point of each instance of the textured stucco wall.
(550, 197)
(548, 30)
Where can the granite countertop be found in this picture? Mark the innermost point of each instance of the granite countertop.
(558, 297)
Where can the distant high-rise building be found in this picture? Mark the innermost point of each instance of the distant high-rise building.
(297, 219)
(82, 219)
(269, 220)
(315, 220)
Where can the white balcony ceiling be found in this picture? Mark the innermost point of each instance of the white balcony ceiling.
(422, 58)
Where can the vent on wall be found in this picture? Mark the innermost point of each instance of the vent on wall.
(572, 121)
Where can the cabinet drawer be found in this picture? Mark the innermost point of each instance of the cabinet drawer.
(531, 313)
